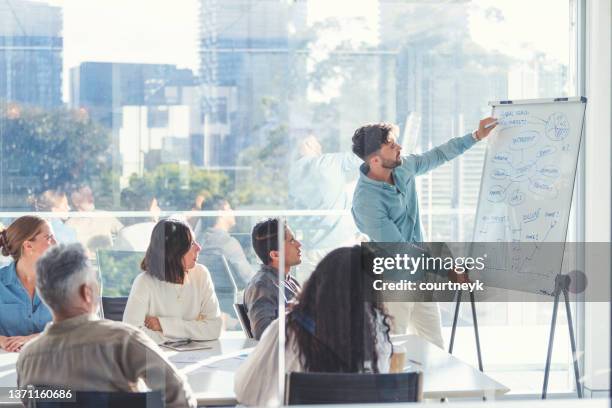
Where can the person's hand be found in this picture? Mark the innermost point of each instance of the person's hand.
(483, 131)
(310, 147)
(152, 323)
(458, 277)
(15, 343)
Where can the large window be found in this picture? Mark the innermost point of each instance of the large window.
(256, 101)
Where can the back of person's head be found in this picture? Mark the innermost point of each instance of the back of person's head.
(333, 322)
(265, 239)
(51, 200)
(60, 274)
(170, 240)
(21, 230)
(131, 200)
(369, 138)
(82, 198)
(214, 203)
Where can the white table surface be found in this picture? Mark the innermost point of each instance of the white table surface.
(211, 372)
(446, 376)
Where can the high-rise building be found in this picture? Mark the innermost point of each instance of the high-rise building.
(103, 88)
(448, 80)
(31, 48)
(247, 68)
(154, 111)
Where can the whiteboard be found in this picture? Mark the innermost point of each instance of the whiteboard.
(526, 191)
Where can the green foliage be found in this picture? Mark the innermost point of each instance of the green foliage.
(176, 186)
(118, 270)
(266, 183)
(44, 149)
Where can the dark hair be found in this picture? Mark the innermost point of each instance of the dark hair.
(345, 340)
(215, 203)
(265, 239)
(22, 229)
(130, 200)
(170, 240)
(369, 138)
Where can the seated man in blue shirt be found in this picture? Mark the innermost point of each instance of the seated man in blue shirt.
(261, 294)
(385, 205)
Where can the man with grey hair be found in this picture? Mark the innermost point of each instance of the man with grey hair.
(82, 353)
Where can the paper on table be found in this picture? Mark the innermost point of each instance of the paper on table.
(187, 357)
(229, 364)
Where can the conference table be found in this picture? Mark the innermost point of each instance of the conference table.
(210, 372)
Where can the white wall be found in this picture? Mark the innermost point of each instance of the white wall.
(598, 181)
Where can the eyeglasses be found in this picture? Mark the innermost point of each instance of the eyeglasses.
(46, 237)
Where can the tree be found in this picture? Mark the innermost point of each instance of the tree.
(175, 186)
(266, 183)
(43, 149)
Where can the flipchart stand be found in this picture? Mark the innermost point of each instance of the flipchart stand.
(562, 283)
(458, 294)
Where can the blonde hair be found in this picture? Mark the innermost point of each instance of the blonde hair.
(21, 230)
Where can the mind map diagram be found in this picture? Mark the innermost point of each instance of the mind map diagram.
(524, 186)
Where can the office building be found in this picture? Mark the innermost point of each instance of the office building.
(31, 47)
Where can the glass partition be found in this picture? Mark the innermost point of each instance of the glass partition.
(224, 113)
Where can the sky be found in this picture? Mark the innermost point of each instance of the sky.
(164, 31)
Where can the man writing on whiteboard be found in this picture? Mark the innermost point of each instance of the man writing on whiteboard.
(385, 205)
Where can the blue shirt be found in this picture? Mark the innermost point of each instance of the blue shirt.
(19, 315)
(320, 183)
(390, 213)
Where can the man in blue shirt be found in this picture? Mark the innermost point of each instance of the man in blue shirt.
(385, 205)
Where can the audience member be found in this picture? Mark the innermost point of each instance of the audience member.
(56, 201)
(93, 232)
(174, 297)
(22, 313)
(81, 353)
(135, 234)
(213, 233)
(197, 204)
(331, 328)
(261, 294)
(322, 181)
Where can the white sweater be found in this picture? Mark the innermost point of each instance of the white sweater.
(256, 381)
(190, 310)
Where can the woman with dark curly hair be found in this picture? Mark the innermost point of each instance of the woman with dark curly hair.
(331, 328)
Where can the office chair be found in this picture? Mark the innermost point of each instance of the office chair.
(243, 318)
(104, 399)
(113, 307)
(344, 388)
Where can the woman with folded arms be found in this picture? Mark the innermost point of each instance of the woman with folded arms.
(174, 297)
(331, 328)
(22, 314)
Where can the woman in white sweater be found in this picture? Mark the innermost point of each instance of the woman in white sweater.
(331, 328)
(174, 297)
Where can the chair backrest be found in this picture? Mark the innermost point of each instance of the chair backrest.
(225, 286)
(101, 399)
(220, 270)
(344, 388)
(243, 318)
(113, 307)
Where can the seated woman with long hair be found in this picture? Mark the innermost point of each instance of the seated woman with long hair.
(174, 297)
(331, 328)
(23, 315)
